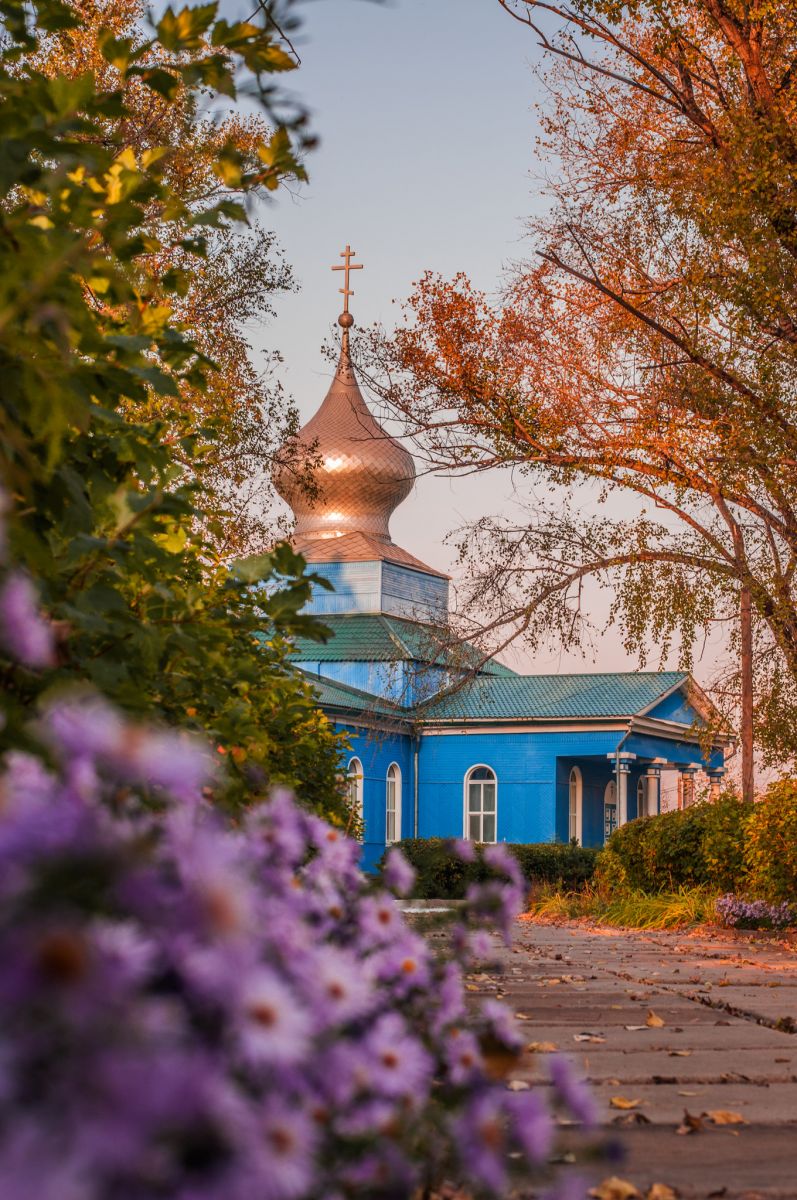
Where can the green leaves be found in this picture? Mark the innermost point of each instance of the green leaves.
(105, 441)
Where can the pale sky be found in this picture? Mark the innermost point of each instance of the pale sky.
(425, 111)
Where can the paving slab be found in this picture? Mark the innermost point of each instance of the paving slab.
(726, 1044)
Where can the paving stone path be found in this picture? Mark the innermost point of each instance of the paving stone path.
(679, 1024)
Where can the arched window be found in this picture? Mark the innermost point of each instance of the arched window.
(354, 784)
(641, 797)
(393, 804)
(574, 829)
(480, 805)
(609, 810)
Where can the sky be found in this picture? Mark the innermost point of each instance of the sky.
(425, 110)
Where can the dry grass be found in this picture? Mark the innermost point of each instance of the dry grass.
(627, 909)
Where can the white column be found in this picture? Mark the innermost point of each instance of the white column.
(622, 792)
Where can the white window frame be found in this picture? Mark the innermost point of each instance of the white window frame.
(466, 813)
(575, 805)
(354, 776)
(393, 784)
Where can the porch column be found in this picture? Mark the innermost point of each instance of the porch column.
(622, 766)
(654, 789)
(715, 778)
(688, 774)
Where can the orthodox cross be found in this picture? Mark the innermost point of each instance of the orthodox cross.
(348, 265)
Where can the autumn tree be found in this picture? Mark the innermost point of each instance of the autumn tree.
(208, 147)
(648, 349)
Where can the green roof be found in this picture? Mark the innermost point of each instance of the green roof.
(374, 637)
(339, 695)
(555, 697)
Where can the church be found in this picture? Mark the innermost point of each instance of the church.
(443, 743)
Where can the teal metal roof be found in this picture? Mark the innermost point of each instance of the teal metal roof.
(622, 694)
(339, 695)
(374, 637)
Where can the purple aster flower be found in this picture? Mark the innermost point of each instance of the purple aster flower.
(463, 1056)
(502, 1025)
(336, 985)
(573, 1091)
(272, 1026)
(532, 1125)
(399, 1064)
(27, 637)
(500, 859)
(289, 1139)
(480, 1134)
(449, 998)
(397, 874)
(379, 918)
(404, 964)
(464, 850)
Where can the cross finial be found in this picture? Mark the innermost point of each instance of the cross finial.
(346, 291)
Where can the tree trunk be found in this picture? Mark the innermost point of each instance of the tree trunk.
(746, 632)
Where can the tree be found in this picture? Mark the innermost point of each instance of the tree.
(249, 419)
(651, 348)
(95, 431)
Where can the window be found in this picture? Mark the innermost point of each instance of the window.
(480, 805)
(354, 784)
(609, 810)
(393, 804)
(574, 821)
(641, 798)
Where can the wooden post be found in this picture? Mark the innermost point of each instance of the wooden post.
(746, 639)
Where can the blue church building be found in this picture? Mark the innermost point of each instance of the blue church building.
(443, 743)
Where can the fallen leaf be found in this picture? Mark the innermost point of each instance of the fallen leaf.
(519, 1016)
(680, 1053)
(624, 1102)
(632, 1118)
(684, 1093)
(690, 1124)
(660, 1191)
(721, 1116)
(614, 1188)
(542, 1047)
(653, 1020)
(588, 1037)
(635, 1028)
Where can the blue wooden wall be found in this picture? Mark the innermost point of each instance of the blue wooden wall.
(376, 751)
(676, 707)
(373, 587)
(525, 765)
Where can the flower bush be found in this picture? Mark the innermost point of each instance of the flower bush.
(190, 1009)
(739, 913)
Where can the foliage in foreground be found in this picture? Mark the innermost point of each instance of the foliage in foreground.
(445, 869)
(629, 908)
(95, 366)
(189, 1009)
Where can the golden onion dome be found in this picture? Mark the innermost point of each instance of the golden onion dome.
(364, 474)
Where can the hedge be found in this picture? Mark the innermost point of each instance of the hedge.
(443, 876)
(724, 844)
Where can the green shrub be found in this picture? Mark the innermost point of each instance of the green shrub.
(771, 845)
(699, 846)
(442, 875)
(724, 838)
